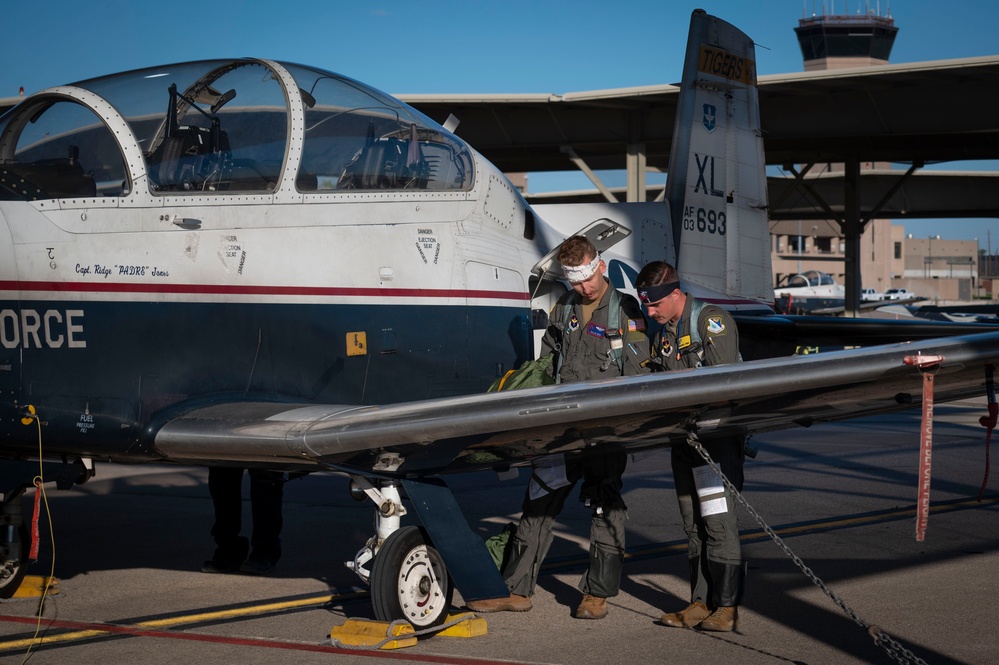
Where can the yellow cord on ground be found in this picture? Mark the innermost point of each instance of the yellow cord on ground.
(39, 482)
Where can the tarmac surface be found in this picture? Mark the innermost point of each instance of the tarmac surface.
(129, 545)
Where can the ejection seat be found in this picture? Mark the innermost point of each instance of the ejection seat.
(56, 178)
(187, 160)
(385, 164)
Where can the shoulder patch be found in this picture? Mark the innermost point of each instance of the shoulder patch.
(716, 325)
(636, 325)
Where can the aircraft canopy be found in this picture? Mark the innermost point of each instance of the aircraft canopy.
(223, 126)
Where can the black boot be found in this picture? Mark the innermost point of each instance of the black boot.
(726, 583)
(521, 564)
(604, 575)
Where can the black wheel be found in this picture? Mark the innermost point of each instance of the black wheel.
(409, 580)
(12, 572)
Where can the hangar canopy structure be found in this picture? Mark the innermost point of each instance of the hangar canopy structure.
(912, 114)
(905, 113)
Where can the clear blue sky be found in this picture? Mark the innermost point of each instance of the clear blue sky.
(461, 46)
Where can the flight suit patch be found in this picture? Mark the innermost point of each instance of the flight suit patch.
(573, 324)
(635, 325)
(715, 325)
(685, 341)
(595, 330)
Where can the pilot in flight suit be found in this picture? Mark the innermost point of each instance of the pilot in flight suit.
(581, 332)
(706, 506)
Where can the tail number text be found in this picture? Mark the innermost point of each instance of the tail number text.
(704, 220)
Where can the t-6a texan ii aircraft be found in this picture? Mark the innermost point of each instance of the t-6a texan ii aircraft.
(253, 263)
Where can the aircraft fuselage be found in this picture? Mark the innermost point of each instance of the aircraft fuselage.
(140, 298)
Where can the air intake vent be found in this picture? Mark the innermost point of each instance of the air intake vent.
(528, 224)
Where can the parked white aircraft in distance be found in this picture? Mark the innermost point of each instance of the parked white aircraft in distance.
(253, 263)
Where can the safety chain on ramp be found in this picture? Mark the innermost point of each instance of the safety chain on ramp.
(895, 651)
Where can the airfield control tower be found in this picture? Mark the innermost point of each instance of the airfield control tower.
(839, 42)
(834, 42)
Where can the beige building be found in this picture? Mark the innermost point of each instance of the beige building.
(941, 269)
(799, 246)
(934, 268)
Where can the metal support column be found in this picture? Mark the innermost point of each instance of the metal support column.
(853, 227)
(636, 173)
(635, 160)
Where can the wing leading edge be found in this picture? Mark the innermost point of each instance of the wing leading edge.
(504, 429)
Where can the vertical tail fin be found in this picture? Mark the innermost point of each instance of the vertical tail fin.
(716, 186)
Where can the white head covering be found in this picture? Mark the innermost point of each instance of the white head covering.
(577, 274)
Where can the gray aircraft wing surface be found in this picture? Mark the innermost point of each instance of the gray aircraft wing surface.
(498, 430)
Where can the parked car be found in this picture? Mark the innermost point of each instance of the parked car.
(871, 295)
(899, 294)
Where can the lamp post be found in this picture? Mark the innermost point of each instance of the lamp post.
(976, 267)
(799, 246)
(929, 257)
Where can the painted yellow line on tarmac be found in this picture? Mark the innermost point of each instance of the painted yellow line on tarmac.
(233, 613)
(13, 645)
(184, 619)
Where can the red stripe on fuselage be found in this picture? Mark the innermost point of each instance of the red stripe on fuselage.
(258, 290)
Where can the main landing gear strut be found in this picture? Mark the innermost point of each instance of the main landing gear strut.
(408, 579)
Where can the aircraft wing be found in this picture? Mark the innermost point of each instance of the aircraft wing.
(502, 429)
(778, 335)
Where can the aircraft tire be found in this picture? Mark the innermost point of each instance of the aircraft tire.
(409, 580)
(10, 583)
